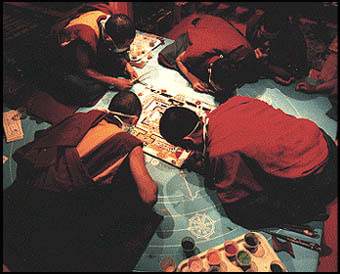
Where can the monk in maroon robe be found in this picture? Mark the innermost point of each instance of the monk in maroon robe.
(268, 167)
(90, 53)
(81, 183)
(274, 34)
(213, 56)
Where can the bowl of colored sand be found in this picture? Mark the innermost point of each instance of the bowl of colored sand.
(253, 267)
(188, 244)
(243, 258)
(195, 264)
(230, 248)
(168, 264)
(213, 257)
(215, 268)
(277, 266)
(251, 242)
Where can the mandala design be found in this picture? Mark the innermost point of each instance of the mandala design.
(202, 226)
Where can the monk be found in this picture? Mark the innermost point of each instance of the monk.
(90, 54)
(326, 80)
(268, 167)
(80, 182)
(213, 56)
(275, 35)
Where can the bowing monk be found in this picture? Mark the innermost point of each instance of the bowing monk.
(268, 167)
(80, 181)
(281, 39)
(213, 56)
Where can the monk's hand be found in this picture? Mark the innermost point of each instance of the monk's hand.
(130, 71)
(259, 54)
(196, 162)
(305, 87)
(283, 82)
(198, 85)
(123, 84)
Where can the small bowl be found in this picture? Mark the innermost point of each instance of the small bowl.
(195, 264)
(230, 248)
(188, 244)
(213, 257)
(243, 258)
(251, 241)
(215, 268)
(168, 264)
(277, 266)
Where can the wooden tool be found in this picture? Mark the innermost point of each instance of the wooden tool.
(280, 246)
(302, 230)
(310, 245)
(139, 77)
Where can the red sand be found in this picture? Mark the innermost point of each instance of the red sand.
(231, 249)
(196, 266)
(214, 258)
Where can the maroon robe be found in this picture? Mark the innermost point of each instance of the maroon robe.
(57, 218)
(51, 161)
(260, 155)
(83, 31)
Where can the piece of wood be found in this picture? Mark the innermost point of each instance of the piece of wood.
(282, 246)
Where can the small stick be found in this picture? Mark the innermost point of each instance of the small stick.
(140, 76)
(310, 245)
(306, 232)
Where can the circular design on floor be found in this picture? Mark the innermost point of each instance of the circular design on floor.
(201, 225)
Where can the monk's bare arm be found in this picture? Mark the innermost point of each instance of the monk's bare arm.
(196, 83)
(84, 61)
(147, 188)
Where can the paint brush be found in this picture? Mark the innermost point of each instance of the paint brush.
(301, 230)
(139, 77)
(300, 226)
(310, 245)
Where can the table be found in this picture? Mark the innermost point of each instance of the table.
(188, 207)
